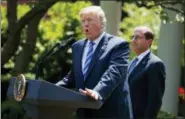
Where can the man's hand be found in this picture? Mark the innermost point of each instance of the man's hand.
(90, 93)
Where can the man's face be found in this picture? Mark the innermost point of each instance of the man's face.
(139, 43)
(91, 25)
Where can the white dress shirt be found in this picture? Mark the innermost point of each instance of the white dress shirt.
(86, 48)
(142, 55)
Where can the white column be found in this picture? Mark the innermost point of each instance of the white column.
(112, 11)
(170, 51)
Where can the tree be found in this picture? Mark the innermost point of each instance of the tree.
(15, 27)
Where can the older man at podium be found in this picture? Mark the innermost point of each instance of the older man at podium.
(99, 67)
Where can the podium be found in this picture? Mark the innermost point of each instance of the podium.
(44, 100)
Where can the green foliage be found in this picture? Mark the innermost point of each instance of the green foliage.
(165, 115)
(59, 18)
(4, 22)
(12, 110)
(140, 17)
(22, 10)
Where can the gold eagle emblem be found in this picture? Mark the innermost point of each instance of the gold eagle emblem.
(19, 87)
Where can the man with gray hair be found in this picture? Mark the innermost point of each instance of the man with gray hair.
(99, 67)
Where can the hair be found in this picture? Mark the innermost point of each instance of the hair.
(148, 33)
(96, 10)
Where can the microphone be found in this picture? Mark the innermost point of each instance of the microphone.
(60, 46)
(70, 41)
(67, 43)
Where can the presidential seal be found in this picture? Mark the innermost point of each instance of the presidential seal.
(19, 87)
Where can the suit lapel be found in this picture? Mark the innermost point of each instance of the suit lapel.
(81, 49)
(140, 67)
(98, 52)
(129, 66)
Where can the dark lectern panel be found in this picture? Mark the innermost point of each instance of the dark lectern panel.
(44, 100)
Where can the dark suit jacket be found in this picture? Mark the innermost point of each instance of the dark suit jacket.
(147, 84)
(106, 75)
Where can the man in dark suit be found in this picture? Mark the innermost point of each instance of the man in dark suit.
(99, 69)
(146, 76)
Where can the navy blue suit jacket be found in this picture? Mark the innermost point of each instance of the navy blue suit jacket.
(147, 84)
(106, 75)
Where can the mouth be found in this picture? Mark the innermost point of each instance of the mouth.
(86, 30)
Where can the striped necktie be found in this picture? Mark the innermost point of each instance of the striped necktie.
(88, 57)
(133, 65)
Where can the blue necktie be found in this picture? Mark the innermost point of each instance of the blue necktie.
(133, 65)
(88, 57)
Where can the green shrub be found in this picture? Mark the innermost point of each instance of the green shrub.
(12, 110)
(165, 115)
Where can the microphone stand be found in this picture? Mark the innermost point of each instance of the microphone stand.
(51, 52)
(39, 66)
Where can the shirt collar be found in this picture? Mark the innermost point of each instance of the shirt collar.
(97, 40)
(140, 57)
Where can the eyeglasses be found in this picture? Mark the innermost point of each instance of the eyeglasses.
(136, 37)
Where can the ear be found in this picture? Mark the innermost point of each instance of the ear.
(149, 42)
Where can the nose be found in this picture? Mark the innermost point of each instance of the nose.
(133, 41)
(85, 23)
